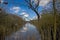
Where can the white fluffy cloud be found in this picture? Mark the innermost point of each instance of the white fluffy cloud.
(15, 9)
(25, 14)
(34, 18)
(44, 2)
(1, 1)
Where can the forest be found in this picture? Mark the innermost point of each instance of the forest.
(47, 22)
(9, 23)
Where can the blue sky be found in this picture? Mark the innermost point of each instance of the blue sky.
(19, 7)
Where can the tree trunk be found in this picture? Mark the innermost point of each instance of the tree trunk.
(49, 35)
(54, 29)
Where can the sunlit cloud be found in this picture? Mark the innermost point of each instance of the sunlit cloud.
(23, 13)
(44, 2)
(34, 18)
(31, 19)
(25, 16)
(15, 9)
(1, 1)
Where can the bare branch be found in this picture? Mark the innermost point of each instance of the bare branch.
(37, 4)
(32, 7)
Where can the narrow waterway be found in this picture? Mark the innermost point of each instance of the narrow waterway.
(27, 32)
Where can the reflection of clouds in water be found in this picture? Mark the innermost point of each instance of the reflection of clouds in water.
(24, 29)
(27, 30)
(27, 27)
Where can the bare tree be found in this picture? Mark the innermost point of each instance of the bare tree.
(34, 4)
(54, 8)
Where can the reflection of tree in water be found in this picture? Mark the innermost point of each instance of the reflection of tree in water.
(29, 32)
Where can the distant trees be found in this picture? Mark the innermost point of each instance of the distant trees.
(9, 23)
(49, 22)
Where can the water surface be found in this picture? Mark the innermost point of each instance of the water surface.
(27, 32)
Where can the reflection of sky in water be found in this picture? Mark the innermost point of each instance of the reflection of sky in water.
(28, 30)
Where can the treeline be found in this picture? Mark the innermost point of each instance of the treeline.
(46, 24)
(9, 23)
